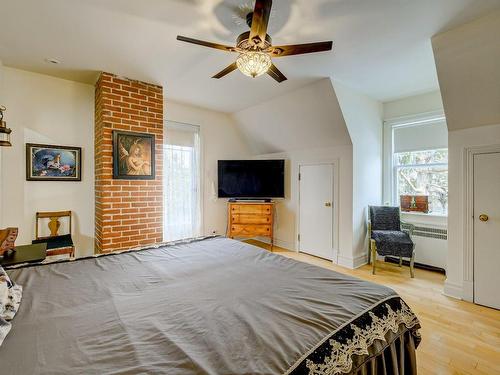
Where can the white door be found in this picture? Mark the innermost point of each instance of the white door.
(487, 229)
(316, 210)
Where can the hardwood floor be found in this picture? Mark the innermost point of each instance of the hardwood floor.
(457, 337)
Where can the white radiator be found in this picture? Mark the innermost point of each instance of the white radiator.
(431, 245)
(430, 237)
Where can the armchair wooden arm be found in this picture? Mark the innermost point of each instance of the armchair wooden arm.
(408, 227)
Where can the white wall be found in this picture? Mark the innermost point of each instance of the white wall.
(287, 209)
(220, 139)
(467, 62)
(458, 141)
(307, 118)
(43, 109)
(363, 116)
(413, 105)
(306, 126)
(321, 122)
(469, 75)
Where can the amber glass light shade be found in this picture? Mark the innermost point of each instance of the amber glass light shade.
(253, 63)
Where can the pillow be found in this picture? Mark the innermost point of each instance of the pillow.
(10, 299)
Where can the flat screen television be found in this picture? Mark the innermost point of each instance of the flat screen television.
(251, 179)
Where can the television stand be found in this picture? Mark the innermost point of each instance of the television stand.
(250, 219)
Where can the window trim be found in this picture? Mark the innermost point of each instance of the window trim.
(389, 181)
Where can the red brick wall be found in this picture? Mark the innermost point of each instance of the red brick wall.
(128, 213)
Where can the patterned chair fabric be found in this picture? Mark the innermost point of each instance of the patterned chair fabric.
(386, 231)
(385, 218)
(393, 243)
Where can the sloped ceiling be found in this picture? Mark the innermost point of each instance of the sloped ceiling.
(381, 47)
(468, 65)
(309, 117)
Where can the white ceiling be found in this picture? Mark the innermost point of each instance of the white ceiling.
(381, 47)
(470, 76)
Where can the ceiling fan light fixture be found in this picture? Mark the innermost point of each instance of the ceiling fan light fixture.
(255, 47)
(253, 63)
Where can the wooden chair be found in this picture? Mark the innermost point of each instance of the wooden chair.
(389, 236)
(56, 244)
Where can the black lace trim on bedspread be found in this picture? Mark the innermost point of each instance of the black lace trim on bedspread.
(334, 355)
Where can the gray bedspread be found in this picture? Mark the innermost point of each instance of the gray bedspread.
(215, 306)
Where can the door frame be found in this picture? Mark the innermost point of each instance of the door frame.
(335, 202)
(468, 211)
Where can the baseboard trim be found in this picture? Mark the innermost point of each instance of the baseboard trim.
(360, 260)
(468, 291)
(453, 290)
(352, 263)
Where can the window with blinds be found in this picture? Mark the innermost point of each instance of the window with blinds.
(181, 188)
(420, 163)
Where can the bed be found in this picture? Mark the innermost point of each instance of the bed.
(211, 306)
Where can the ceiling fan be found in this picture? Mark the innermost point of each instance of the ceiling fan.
(255, 47)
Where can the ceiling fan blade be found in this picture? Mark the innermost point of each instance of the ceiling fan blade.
(300, 49)
(276, 74)
(205, 44)
(260, 20)
(226, 71)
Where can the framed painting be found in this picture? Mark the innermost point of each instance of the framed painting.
(53, 163)
(133, 156)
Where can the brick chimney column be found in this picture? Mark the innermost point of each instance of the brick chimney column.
(128, 213)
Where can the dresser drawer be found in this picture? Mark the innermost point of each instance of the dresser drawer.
(250, 219)
(251, 230)
(251, 209)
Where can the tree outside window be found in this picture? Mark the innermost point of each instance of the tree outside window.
(424, 173)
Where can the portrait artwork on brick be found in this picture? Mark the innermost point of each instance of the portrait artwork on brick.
(133, 156)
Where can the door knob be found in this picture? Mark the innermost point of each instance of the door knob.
(483, 217)
(328, 204)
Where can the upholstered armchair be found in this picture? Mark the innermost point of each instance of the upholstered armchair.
(388, 236)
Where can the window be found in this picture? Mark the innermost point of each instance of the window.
(423, 173)
(416, 161)
(181, 195)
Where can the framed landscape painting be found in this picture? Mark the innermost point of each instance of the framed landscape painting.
(133, 156)
(53, 163)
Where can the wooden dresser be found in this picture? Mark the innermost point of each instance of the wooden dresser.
(250, 219)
